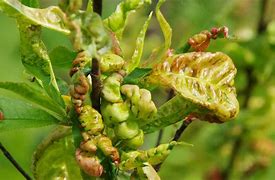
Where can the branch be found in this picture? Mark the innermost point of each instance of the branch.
(12, 160)
(178, 134)
(262, 25)
(96, 84)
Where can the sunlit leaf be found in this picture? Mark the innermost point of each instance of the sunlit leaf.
(135, 60)
(117, 21)
(149, 172)
(20, 115)
(51, 17)
(205, 80)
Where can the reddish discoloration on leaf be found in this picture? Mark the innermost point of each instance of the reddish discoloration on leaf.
(1, 116)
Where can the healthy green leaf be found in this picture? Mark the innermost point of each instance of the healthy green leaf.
(135, 60)
(136, 75)
(51, 17)
(62, 57)
(36, 60)
(31, 3)
(20, 115)
(117, 21)
(57, 150)
(204, 79)
(36, 96)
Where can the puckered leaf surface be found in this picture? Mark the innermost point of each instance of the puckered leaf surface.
(203, 79)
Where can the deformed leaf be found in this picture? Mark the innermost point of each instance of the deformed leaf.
(117, 21)
(36, 60)
(36, 96)
(58, 152)
(203, 79)
(149, 172)
(51, 17)
(135, 60)
(19, 115)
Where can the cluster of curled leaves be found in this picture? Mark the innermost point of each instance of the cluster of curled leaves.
(103, 139)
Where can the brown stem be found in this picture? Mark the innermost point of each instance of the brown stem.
(13, 161)
(178, 134)
(96, 84)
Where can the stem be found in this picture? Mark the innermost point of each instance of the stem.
(96, 84)
(98, 6)
(262, 25)
(160, 135)
(177, 135)
(13, 161)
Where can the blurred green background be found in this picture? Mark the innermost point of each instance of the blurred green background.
(251, 135)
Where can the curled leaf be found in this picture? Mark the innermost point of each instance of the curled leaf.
(51, 17)
(135, 60)
(117, 21)
(203, 79)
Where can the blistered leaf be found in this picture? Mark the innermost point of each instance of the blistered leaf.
(117, 21)
(62, 57)
(203, 79)
(36, 96)
(36, 60)
(51, 17)
(19, 115)
(135, 60)
(55, 157)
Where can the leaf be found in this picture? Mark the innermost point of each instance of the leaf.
(20, 115)
(136, 75)
(51, 17)
(135, 60)
(62, 57)
(31, 3)
(36, 60)
(203, 79)
(149, 172)
(116, 22)
(164, 25)
(57, 150)
(36, 96)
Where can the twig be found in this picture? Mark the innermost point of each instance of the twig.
(98, 6)
(159, 137)
(178, 134)
(96, 84)
(262, 25)
(13, 161)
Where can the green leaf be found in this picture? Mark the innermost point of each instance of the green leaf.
(204, 79)
(135, 60)
(36, 96)
(62, 57)
(20, 115)
(164, 25)
(58, 151)
(136, 75)
(51, 17)
(36, 60)
(31, 3)
(169, 113)
(116, 22)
